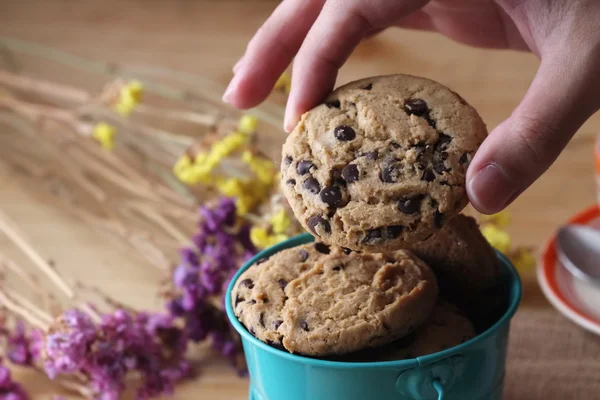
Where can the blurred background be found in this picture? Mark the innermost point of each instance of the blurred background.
(204, 39)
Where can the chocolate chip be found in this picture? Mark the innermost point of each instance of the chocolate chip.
(252, 332)
(338, 268)
(433, 203)
(261, 260)
(439, 167)
(368, 87)
(277, 324)
(344, 133)
(384, 233)
(304, 167)
(238, 300)
(291, 181)
(287, 160)
(322, 248)
(261, 319)
(430, 121)
(282, 283)
(346, 250)
(389, 174)
(428, 175)
(392, 231)
(372, 236)
(332, 196)
(248, 283)
(333, 104)
(312, 185)
(265, 300)
(464, 159)
(304, 325)
(303, 255)
(410, 205)
(315, 221)
(419, 149)
(350, 173)
(438, 162)
(438, 219)
(251, 302)
(371, 155)
(443, 141)
(416, 106)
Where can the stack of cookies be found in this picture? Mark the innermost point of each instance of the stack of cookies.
(377, 175)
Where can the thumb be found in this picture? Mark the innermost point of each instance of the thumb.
(562, 96)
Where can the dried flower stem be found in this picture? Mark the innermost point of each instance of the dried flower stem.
(28, 305)
(165, 224)
(21, 311)
(50, 89)
(69, 384)
(10, 230)
(103, 296)
(37, 112)
(171, 114)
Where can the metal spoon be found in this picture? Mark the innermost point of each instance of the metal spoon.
(579, 251)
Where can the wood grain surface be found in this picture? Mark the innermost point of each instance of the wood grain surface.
(549, 357)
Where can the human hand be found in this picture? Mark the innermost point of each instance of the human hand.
(565, 92)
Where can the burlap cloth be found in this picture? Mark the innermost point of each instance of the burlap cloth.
(550, 357)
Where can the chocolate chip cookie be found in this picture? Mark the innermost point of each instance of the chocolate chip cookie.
(318, 300)
(446, 327)
(381, 163)
(461, 257)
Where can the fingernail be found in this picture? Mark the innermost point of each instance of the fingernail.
(237, 65)
(290, 120)
(491, 189)
(229, 90)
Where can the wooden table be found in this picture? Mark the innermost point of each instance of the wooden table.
(206, 38)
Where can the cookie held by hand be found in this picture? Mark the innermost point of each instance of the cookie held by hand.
(382, 163)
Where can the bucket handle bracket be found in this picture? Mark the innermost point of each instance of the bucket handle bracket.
(430, 382)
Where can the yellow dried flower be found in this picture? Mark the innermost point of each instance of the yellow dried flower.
(184, 163)
(501, 219)
(105, 135)
(523, 260)
(129, 96)
(284, 83)
(248, 124)
(280, 222)
(224, 147)
(498, 238)
(241, 190)
(263, 239)
(262, 167)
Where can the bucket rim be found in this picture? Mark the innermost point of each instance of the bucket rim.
(516, 292)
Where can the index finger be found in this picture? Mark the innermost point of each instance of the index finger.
(270, 52)
(339, 28)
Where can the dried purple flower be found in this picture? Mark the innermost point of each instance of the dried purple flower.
(151, 345)
(9, 389)
(22, 348)
(221, 245)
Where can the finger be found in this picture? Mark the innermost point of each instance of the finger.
(561, 97)
(237, 65)
(418, 20)
(270, 52)
(334, 35)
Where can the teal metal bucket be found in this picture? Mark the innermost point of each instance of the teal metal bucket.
(473, 370)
